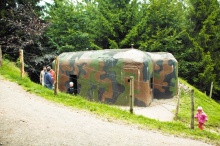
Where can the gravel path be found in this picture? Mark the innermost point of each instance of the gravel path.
(26, 119)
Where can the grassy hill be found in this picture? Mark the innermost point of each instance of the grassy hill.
(180, 126)
(210, 106)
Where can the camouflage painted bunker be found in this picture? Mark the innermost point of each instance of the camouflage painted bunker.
(103, 75)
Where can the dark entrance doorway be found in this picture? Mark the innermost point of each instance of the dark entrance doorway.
(73, 78)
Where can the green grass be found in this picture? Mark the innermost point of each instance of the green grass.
(210, 107)
(181, 126)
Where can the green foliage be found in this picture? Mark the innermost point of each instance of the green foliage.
(113, 44)
(206, 77)
(22, 28)
(68, 27)
(189, 29)
(160, 27)
(94, 25)
(113, 21)
(204, 34)
(66, 48)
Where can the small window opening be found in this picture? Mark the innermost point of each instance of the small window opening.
(151, 82)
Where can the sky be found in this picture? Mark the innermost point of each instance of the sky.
(42, 2)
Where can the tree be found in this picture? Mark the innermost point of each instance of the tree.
(189, 29)
(94, 24)
(205, 23)
(114, 19)
(7, 15)
(160, 28)
(207, 76)
(23, 29)
(68, 25)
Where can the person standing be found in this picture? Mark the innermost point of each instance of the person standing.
(48, 79)
(42, 75)
(52, 72)
(202, 117)
(70, 90)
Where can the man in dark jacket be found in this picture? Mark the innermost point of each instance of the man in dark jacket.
(48, 79)
(70, 90)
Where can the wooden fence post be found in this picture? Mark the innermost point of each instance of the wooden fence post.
(131, 94)
(1, 56)
(56, 75)
(210, 95)
(21, 62)
(178, 101)
(192, 109)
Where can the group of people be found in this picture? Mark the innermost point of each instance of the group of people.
(47, 77)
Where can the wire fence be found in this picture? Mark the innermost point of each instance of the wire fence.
(209, 101)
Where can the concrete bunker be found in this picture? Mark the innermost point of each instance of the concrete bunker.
(102, 75)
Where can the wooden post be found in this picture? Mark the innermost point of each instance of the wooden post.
(192, 109)
(21, 62)
(178, 101)
(0, 55)
(131, 94)
(56, 75)
(210, 95)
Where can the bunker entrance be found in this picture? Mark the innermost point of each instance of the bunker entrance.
(73, 78)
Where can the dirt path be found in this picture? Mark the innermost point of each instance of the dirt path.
(26, 119)
(160, 109)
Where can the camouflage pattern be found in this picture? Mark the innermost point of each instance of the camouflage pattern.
(165, 80)
(102, 75)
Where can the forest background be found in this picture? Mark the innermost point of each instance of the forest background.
(189, 29)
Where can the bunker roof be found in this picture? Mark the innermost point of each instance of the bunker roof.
(125, 54)
(161, 56)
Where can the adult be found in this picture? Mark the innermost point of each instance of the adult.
(52, 72)
(70, 90)
(42, 75)
(48, 79)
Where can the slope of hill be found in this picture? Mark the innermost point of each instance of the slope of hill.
(27, 119)
(180, 126)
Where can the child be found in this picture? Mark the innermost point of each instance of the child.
(202, 117)
(70, 90)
